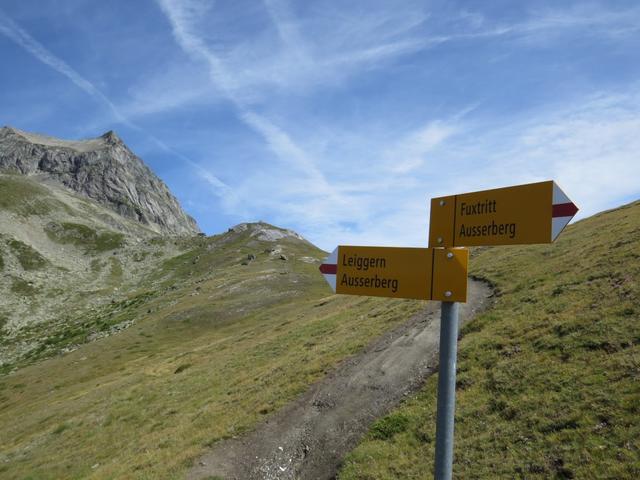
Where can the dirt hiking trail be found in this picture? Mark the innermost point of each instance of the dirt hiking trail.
(308, 438)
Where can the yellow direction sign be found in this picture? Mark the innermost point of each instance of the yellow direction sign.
(524, 214)
(420, 273)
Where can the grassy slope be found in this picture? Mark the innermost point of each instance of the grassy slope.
(549, 380)
(68, 266)
(216, 346)
(23, 196)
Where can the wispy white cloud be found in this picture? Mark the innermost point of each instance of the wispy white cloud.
(411, 152)
(295, 54)
(283, 146)
(288, 28)
(587, 145)
(299, 192)
(384, 197)
(591, 149)
(332, 47)
(182, 16)
(544, 25)
(332, 44)
(220, 188)
(23, 39)
(590, 18)
(169, 87)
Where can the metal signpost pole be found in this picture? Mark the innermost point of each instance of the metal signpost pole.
(446, 390)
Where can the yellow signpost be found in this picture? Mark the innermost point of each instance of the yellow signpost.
(524, 214)
(532, 213)
(419, 273)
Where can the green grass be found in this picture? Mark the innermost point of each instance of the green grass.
(23, 196)
(115, 272)
(29, 257)
(69, 332)
(389, 426)
(22, 287)
(85, 237)
(215, 347)
(548, 382)
(147, 402)
(96, 265)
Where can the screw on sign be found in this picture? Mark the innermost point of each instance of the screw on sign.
(523, 214)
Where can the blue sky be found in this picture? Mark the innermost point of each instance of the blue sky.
(339, 120)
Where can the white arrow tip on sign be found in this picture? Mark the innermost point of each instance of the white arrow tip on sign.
(329, 268)
(558, 195)
(563, 210)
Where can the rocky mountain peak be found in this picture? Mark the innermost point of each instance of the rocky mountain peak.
(103, 169)
(111, 138)
(266, 232)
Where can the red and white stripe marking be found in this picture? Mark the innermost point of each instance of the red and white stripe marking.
(563, 210)
(329, 269)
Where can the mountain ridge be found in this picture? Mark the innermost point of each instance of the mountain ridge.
(101, 168)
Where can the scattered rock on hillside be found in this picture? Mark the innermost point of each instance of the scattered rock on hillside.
(309, 260)
(265, 232)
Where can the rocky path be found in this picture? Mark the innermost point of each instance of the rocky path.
(308, 438)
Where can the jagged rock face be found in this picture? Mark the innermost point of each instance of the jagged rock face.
(103, 169)
(265, 232)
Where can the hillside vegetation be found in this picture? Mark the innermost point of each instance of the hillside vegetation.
(68, 265)
(127, 354)
(548, 381)
(124, 354)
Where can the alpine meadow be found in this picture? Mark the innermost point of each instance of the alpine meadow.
(291, 240)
